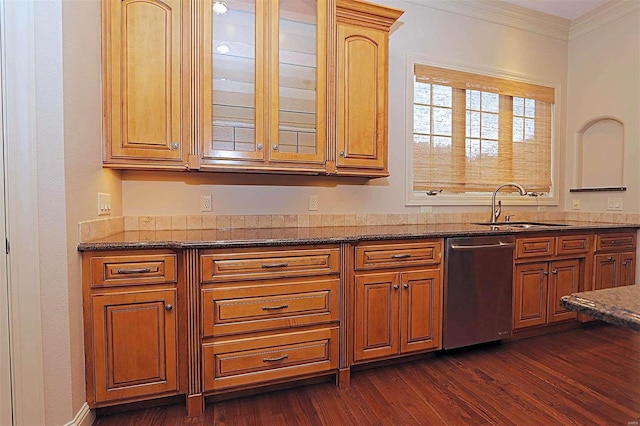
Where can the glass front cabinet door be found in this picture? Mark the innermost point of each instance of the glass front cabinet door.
(262, 85)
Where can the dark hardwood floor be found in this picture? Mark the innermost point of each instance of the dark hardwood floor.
(586, 376)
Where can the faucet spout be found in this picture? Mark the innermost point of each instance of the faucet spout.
(495, 212)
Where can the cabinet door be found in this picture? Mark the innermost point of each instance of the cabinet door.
(232, 81)
(135, 349)
(627, 269)
(530, 294)
(297, 106)
(262, 83)
(362, 99)
(377, 313)
(605, 271)
(421, 310)
(142, 80)
(564, 280)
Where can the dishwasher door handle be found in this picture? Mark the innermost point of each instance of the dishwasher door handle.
(478, 246)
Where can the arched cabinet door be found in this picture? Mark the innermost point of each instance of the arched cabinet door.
(362, 87)
(142, 81)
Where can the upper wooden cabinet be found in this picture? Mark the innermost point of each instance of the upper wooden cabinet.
(262, 84)
(279, 86)
(362, 92)
(142, 83)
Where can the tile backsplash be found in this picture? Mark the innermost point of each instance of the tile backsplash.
(95, 229)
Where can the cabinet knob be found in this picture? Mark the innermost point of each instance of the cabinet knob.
(610, 258)
(175, 145)
(341, 153)
(396, 286)
(545, 273)
(625, 263)
(406, 285)
(275, 147)
(168, 307)
(555, 271)
(259, 146)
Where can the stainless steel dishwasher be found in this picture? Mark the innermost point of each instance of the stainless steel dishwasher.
(477, 290)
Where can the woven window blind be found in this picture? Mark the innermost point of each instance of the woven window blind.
(474, 132)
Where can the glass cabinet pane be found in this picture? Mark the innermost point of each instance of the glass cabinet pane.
(297, 76)
(234, 75)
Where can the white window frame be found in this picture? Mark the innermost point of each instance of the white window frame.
(420, 198)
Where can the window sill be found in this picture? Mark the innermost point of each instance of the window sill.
(478, 200)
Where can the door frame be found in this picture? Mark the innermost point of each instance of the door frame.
(20, 161)
(6, 388)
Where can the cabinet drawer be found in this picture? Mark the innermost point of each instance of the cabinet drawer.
(249, 307)
(534, 247)
(248, 361)
(378, 256)
(619, 241)
(268, 264)
(133, 270)
(571, 244)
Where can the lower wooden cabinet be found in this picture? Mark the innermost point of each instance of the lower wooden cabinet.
(614, 270)
(132, 318)
(538, 288)
(251, 360)
(396, 313)
(135, 344)
(544, 271)
(614, 263)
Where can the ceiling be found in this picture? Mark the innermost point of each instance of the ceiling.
(569, 9)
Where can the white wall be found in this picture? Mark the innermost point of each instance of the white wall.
(83, 176)
(604, 80)
(420, 30)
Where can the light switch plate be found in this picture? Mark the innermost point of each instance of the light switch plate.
(104, 204)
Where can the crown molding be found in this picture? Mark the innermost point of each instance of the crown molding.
(500, 12)
(600, 16)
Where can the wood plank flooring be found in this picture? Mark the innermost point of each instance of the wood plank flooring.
(587, 376)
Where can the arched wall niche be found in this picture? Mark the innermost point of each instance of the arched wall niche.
(600, 155)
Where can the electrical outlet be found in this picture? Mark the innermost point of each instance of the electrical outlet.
(104, 204)
(614, 203)
(575, 204)
(426, 209)
(313, 203)
(542, 208)
(205, 203)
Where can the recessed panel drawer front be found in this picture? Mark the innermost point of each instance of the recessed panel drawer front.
(269, 264)
(250, 307)
(133, 270)
(620, 241)
(378, 256)
(535, 247)
(241, 362)
(572, 244)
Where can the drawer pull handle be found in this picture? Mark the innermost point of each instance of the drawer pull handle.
(610, 258)
(625, 262)
(280, 358)
(134, 271)
(275, 265)
(401, 256)
(274, 308)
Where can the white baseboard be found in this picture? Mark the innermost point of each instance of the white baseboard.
(84, 417)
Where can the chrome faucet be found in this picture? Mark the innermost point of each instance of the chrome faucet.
(495, 212)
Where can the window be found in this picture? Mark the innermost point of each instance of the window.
(471, 133)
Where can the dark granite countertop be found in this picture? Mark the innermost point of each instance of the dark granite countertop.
(221, 238)
(620, 305)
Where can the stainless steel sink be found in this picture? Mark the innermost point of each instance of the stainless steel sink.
(522, 225)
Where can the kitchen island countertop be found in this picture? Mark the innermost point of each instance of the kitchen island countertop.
(619, 305)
